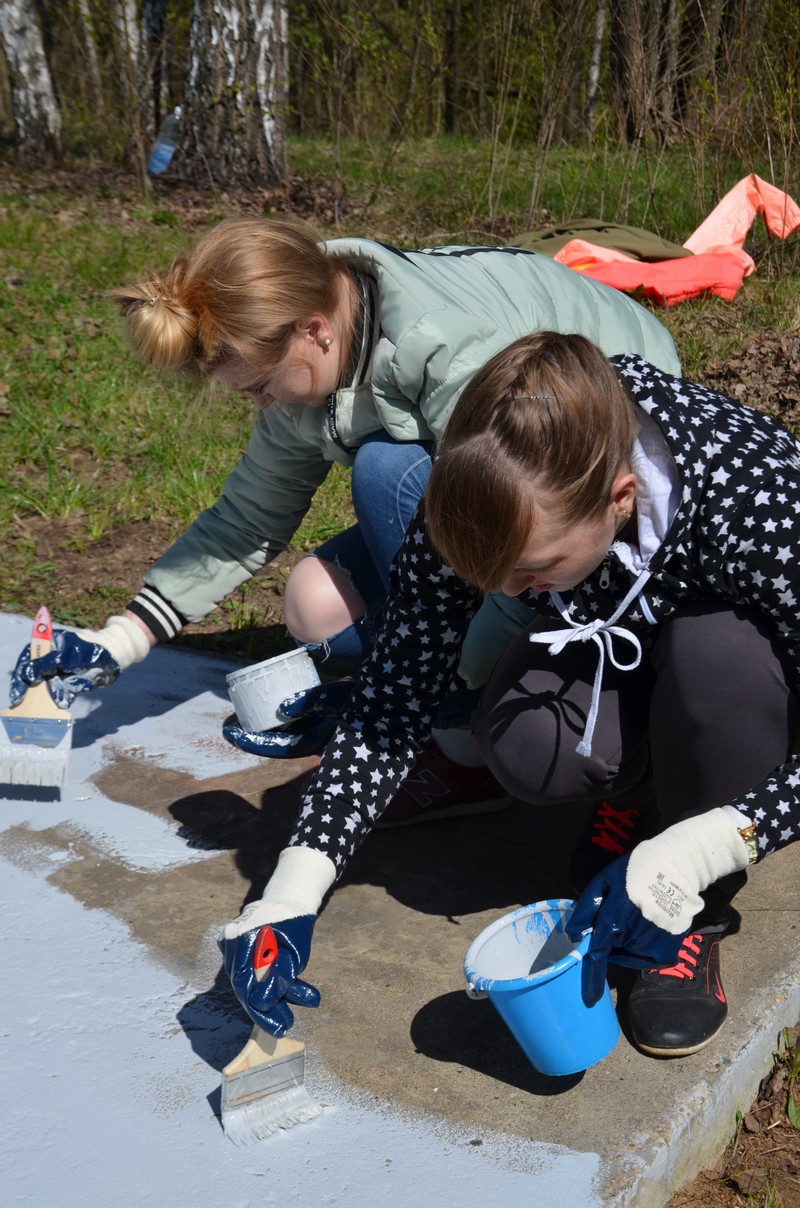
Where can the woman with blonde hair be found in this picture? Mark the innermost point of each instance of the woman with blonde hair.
(355, 353)
(651, 526)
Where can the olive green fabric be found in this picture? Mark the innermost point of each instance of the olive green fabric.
(642, 245)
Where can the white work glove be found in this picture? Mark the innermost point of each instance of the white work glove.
(124, 640)
(667, 874)
(300, 881)
(267, 948)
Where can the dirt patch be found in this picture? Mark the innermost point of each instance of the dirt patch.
(765, 373)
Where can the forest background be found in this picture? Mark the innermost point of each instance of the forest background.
(418, 122)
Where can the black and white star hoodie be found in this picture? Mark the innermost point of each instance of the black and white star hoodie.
(722, 524)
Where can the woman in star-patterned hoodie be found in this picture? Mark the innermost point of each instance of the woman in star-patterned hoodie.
(651, 524)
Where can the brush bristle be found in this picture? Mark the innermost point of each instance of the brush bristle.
(33, 765)
(254, 1121)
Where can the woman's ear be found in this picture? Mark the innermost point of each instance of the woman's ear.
(623, 493)
(317, 329)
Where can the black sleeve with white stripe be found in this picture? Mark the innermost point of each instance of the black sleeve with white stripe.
(160, 617)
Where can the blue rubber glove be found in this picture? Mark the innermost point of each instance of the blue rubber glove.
(73, 665)
(263, 965)
(314, 714)
(619, 931)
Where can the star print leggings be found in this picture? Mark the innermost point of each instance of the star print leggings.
(704, 719)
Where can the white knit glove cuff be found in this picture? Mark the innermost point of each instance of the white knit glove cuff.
(667, 874)
(299, 883)
(122, 638)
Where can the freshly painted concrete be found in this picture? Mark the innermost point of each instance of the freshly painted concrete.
(115, 1019)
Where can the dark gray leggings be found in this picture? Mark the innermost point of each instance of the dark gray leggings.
(702, 720)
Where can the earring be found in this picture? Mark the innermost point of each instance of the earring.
(327, 341)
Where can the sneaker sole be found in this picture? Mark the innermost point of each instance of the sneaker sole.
(494, 806)
(686, 1051)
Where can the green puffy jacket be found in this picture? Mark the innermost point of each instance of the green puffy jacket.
(443, 313)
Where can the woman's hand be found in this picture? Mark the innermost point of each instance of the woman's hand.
(619, 931)
(641, 906)
(81, 661)
(313, 714)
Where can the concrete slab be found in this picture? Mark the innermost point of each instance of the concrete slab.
(115, 1020)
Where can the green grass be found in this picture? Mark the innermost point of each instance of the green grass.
(90, 435)
(428, 190)
(93, 440)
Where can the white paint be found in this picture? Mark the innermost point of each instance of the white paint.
(108, 1062)
(168, 710)
(106, 1095)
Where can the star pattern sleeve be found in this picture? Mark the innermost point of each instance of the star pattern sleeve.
(394, 703)
(754, 557)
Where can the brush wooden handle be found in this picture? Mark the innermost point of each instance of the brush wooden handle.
(37, 701)
(42, 636)
(261, 1049)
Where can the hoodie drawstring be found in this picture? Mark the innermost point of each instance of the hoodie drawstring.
(602, 633)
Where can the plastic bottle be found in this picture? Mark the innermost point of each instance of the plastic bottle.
(166, 142)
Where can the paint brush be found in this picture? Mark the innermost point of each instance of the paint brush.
(263, 1088)
(36, 738)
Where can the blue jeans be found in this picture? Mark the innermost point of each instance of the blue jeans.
(388, 481)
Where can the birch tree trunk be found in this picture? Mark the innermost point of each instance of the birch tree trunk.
(236, 98)
(35, 108)
(127, 45)
(593, 73)
(86, 24)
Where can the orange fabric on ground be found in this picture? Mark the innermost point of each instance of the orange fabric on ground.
(672, 281)
(728, 223)
(719, 264)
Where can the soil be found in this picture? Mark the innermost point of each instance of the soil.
(761, 1166)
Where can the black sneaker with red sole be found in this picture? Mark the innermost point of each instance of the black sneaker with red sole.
(676, 1011)
(436, 789)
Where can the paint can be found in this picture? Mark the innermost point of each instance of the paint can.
(257, 691)
(529, 969)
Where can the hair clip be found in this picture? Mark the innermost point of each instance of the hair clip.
(540, 398)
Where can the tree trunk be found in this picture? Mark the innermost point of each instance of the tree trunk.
(234, 123)
(36, 113)
(154, 14)
(92, 62)
(126, 45)
(644, 41)
(698, 49)
(627, 49)
(593, 74)
(452, 69)
(666, 102)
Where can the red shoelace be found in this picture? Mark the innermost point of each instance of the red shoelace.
(612, 828)
(689, 952)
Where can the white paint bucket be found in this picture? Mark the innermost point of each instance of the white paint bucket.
(529, 969)
(257, 691)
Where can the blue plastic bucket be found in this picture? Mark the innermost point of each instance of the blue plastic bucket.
(529, 969)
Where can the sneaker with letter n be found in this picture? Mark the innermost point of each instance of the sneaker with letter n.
(436, 788)
(609, 833)
(677, 1010)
